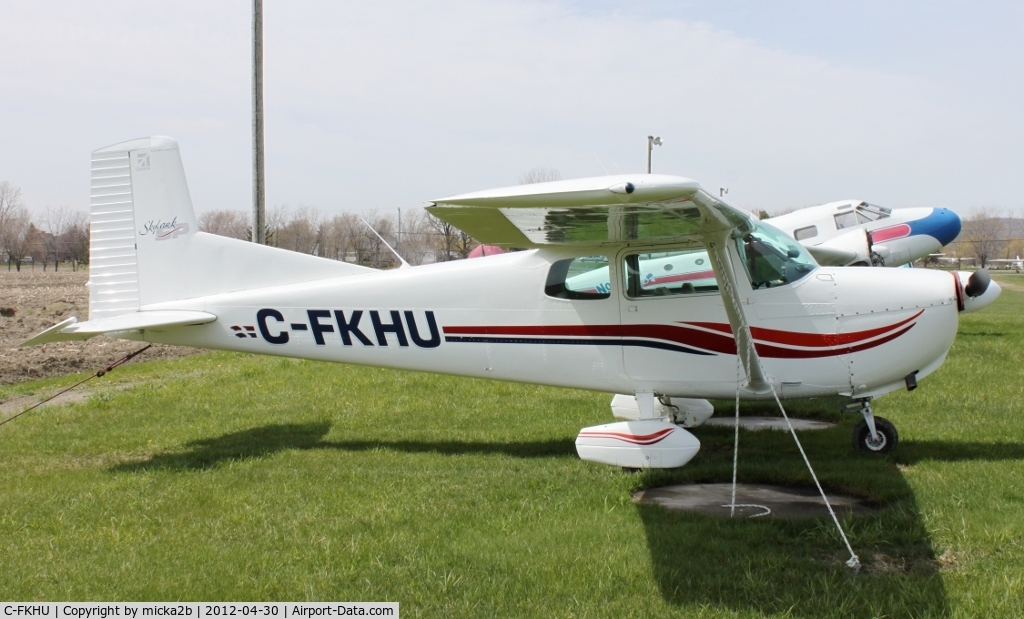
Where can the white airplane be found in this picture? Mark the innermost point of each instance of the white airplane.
(770, 320)
(1011, 263)
(856, 233)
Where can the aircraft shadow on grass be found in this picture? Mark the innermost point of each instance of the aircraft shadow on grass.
(267, 440)
(912, 452)
(796, 567)
(771, 566)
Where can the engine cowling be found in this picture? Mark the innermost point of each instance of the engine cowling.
(976, 290)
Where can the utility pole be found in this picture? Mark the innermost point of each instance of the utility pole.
(398, 243)
(651, 143)
(259, 211)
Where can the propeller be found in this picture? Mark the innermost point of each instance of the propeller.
(977, 283)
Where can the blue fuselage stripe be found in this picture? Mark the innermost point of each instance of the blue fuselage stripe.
(577, 342)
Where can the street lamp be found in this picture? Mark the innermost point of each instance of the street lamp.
(651, 143)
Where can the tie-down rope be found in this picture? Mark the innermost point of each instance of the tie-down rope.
(736, 453)
(98, 373)
(853, 562)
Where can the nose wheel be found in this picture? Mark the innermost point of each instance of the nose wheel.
(874, 434)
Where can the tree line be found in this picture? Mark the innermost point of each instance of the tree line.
(62, 235)
(988, 234)
(57, 235)
(414, 234)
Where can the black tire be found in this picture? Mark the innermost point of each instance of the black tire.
(862, 436)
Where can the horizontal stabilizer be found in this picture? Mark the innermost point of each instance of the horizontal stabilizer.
(72, 330)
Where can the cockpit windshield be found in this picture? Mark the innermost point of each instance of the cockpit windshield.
(871, 212)
(773, 258)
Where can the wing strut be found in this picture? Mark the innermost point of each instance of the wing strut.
(717, 239)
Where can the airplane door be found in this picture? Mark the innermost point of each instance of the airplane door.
(790, 306)
(662, 292)
(676, 333)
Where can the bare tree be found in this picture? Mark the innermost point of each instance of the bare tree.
(464, 244)
(302, 231)
(417, 237)
(1015, 248)
(371, 246)
(38, 246)
(16, 235)
(10, 201)
(339, 237)
(450, 243)
(53, 224)
(75, 241)
(446, 238)
(539, 175)
(985, 233)
(233, 224)
(276, 219)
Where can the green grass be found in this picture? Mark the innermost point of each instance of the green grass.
(233, 477)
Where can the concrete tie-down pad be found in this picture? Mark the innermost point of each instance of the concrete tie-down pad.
(783, 501)
(769, 423)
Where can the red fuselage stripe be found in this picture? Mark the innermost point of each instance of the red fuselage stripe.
(767, 350)
(713, 339)
(810, 340)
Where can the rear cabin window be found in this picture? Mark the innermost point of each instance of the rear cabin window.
(579, 278)
(805, 233)
(662, 274)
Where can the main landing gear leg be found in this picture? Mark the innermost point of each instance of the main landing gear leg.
(645, 402)
(874, 434)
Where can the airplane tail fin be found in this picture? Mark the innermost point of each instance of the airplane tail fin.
(145, 244)
(146, 172)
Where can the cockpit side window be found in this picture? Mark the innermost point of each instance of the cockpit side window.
(579, 278)
(846, 220)
(773, 259)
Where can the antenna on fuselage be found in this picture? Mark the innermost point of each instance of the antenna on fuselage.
(404, 263)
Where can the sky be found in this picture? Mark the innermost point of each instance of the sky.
(387, 105)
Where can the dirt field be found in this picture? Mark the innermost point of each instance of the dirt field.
(31, 301)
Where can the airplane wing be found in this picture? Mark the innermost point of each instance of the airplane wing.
(71, 330)
(614, 210)
(587, 211)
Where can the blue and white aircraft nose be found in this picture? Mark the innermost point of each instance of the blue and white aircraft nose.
(943, 225)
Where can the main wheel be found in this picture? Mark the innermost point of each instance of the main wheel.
(887, 441)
